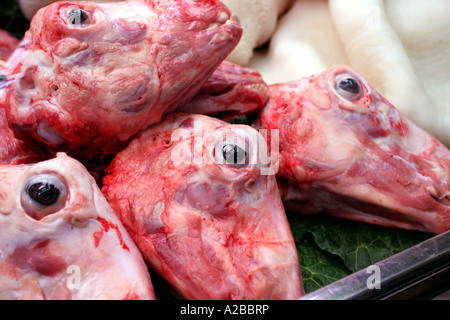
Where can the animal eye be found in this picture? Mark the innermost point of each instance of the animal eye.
(348, 87)
(43, 195)
(233, 154)
(77, 17)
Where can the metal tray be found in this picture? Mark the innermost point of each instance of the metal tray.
(420, 272)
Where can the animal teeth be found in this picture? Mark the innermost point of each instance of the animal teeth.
(222, 18)
(258, 87)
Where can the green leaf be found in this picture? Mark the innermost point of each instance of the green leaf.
(318, 267)
(240, 120)
(337, 247)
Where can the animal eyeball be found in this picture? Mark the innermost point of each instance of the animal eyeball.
(77, 17)
(234, 155)
(43, 195)
(348, 87)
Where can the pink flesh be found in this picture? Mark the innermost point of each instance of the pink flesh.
(136, 61)
(12, 149)
(231, 91)
(213, 231)
(8, 44)
(358, 160)
(77, 250)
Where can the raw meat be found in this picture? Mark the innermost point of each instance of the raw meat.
(195, 194)
(97, 74)
(61, 239)
(8, 44)
(345, 150)
(231, 91)
(12, 149)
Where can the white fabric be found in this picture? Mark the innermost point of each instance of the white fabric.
(258, 19)
(402, 47)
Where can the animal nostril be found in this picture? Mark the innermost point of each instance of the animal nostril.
(54, 88)
(167, 142)
(27, 81)
(446, 201)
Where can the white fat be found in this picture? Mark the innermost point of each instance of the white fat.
(153, 221)
(222, 17)
(48, 134)
(40, 78)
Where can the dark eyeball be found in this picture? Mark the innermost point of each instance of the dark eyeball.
(348, 87)
(77, 17)
(43, 195)
(233, 154)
